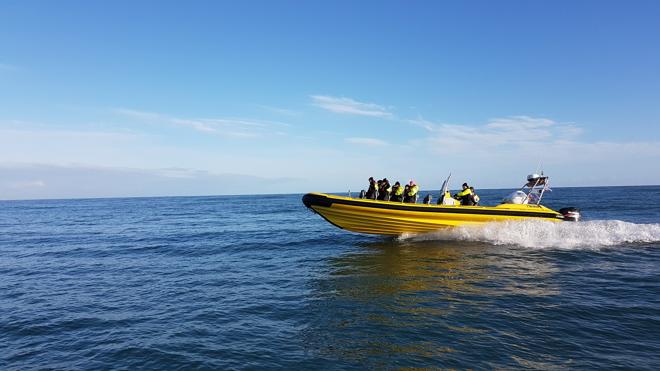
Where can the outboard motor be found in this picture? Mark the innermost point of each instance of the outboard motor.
(571, 214)
(363, 194)
(427, 199)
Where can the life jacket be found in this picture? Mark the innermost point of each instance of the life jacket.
(463, 193)
(398, 191)
(413, 190)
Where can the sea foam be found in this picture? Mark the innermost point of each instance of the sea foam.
(544, 234)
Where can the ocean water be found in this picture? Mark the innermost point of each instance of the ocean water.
(260, 282)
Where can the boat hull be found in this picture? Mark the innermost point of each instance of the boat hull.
(395, 218)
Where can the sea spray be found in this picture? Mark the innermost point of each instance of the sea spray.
(543, 234)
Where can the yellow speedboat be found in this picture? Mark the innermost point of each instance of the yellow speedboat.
(394, 218)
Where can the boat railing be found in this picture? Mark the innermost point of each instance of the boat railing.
(536, 187)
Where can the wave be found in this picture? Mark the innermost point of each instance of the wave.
(543, 234)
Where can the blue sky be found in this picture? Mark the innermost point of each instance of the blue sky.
(129, 98)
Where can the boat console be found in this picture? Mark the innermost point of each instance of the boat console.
(532, 192)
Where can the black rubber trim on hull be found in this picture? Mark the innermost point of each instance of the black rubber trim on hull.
(325, 201)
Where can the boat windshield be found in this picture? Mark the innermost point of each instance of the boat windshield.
(535, 187)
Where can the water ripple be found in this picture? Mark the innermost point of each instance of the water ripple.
(259, 282)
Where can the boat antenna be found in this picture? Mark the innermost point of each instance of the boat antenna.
(539, 167)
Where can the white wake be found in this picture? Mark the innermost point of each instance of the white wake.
(540, 234)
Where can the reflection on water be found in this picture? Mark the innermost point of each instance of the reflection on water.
(419, 298)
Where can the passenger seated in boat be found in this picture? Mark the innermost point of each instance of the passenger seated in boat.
(427, 199)
(410, 195)
(397, 193)
(379, 186)
(464, 196)
(446, 199)
(474, 196)
(372, 192)
(384, 190)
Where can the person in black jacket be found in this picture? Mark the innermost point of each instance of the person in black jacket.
(372, 192)
(384, 190)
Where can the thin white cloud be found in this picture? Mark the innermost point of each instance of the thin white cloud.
(45, 134)
(8, 67)
(503, 147)
(372, 142)
(500, 131)
(350, 106)
(519, 122)
(20, 185)
(233, 127)
(40, 142)
(198, 125)
(423, 123)
(281, 111)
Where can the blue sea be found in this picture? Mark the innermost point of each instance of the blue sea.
(260, 282)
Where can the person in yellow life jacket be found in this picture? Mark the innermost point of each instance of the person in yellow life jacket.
(464, 196)
(397, 193)
(411, 195)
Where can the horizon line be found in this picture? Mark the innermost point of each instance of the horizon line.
(276, 194)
